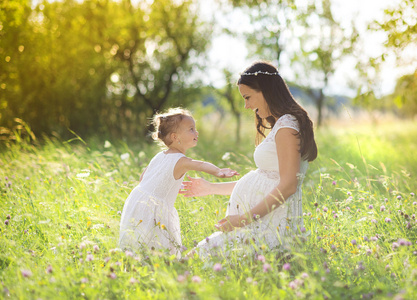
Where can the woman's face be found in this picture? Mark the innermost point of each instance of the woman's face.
(254, 100)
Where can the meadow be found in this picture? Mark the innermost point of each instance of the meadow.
(61, 203)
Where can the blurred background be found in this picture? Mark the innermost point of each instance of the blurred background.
(102, 68)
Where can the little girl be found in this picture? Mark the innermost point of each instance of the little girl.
(149, 218)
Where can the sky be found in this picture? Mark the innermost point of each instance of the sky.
(231, 53)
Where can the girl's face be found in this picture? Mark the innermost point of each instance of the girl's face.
(187, 133)
(254, 100)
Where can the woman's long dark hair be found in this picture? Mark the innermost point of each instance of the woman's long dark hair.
(280, 102)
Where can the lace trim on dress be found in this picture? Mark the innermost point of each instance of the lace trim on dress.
(286, 121)
(271, 174)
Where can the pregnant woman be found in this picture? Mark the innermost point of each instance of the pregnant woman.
(265, 206)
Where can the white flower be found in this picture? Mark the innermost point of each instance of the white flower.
(107, 144)
(226, 156)
(83, 174)
(125, 156)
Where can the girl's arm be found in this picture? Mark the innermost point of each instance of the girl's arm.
(186, 164)
(198, 187)
(289, 165)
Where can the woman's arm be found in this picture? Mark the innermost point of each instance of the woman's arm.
(186, 164)
(198, 187)
(289, 165)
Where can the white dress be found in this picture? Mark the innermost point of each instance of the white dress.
(274, 229)
(149, 219)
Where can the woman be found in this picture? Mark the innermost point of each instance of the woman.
(265, 204)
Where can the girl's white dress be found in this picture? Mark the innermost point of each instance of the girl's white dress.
(149, 219)
(274, 229)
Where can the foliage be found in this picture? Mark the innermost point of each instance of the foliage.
(323, 44)
(96, 66)
(61, 208)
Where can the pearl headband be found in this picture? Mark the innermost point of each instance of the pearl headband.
(259, 72)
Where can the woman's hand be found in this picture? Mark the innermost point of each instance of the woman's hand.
(231, 222)
(195, 187)
(226, 173)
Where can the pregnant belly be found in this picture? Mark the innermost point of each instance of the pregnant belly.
(249, 191)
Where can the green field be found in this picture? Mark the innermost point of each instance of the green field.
(60, 211)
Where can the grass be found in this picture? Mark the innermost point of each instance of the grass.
(62, 201)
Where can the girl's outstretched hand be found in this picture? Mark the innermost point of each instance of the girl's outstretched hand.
(195, 187)
(226, 173)
(229, 223)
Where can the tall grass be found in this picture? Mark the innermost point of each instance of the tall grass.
(60, 210)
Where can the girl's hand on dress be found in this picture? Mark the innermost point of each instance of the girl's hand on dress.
(226, 173)
(195, 187)
(230, 222)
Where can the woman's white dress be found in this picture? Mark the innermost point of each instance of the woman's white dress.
(149, 219)
(274, 229)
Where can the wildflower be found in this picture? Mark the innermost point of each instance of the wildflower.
(414, 203)
(395, 245)
(201, 208)
(349, 193)
(89, 257)
(249, 279)
(374, 221)
(112, 275)
(399, 197)
(266, 267)
(333, 247)
(133, 280)
(368, 251)
(217, 267)
(388, 220)
(196, 279)
(207, 239)
(183, 248)
(129, 253)
(196, 223)
(96, 248)
(370, 206)
(319, 238)
(353, 242)
(6, 222)
(49, 269)
(303, 229)
(119, 212)
(84, 280)
(107, 259)
(374, 238)
(286, 266)
(382, 208)
(163, 227)
(325, 209)
(26, 273)
(365, 238)
(335, 216)
(304, 275)
(226, 156)
(181, 278)
(124, 156)
(412, 194)
(334, 182)
(261, 258)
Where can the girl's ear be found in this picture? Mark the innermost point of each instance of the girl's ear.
(173, 136)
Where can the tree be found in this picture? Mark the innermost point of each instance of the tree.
(323, 44)
(96, 66)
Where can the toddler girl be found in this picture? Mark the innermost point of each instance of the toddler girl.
(149, 218)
